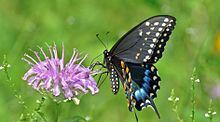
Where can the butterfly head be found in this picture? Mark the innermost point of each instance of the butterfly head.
(107, 57)
(106, 53)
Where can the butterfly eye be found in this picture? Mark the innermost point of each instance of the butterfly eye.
(105, 52)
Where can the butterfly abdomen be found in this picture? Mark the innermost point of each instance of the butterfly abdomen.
(114, 79)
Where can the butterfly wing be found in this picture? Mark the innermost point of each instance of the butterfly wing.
(131, 60)
(140, 83)
(146, 41)
(124, 74)
(143, 86)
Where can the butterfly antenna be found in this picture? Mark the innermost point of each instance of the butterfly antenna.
(97, 35)
(107, 33)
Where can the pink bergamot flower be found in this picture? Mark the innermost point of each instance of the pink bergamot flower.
(50, 74)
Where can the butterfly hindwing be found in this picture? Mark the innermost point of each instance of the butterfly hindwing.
(146, 41)
(140, 83)
(144, 83)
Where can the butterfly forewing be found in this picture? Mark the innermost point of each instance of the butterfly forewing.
(159, 47)
(146, 41)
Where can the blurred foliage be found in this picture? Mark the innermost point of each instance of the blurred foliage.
(26, 24)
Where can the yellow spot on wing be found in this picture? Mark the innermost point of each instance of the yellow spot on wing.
(123, 72)
(129, 78)
(130, 90)
(122, 64)
(125, 88)
(127, 70)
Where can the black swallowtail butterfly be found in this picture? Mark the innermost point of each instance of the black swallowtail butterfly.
(131, 61)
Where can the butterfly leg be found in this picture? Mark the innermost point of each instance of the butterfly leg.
(100, 83)
(92, 66)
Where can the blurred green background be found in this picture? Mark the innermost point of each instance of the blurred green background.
(195, 42)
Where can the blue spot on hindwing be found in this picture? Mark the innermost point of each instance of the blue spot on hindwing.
(140, 94)
(147, 72)
(147, 79)
(146, 86)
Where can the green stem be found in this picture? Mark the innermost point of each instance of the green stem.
(175, 109)
(57, 112)
(38, 109)
(193, 95)
(193, 101)
(5, 64)
(210, 109)
(210, 119)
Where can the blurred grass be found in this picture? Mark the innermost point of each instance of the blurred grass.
(26, 24)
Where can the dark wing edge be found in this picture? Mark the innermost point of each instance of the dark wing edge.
(131, 30)
(145, 42)
(160, 46)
